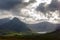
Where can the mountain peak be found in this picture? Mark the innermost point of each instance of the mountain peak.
(15, 25)
(15, 18)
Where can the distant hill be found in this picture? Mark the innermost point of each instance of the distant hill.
(58, 27)
(43, 27)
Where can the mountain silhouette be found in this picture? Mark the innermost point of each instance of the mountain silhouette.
(58, 28)
(4, 20)
(43, 27)
(14, 25)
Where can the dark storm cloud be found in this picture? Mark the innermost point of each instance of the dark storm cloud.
(41, 7)
(53, 6)
(13, 6)
(8, 4)
(17, 9)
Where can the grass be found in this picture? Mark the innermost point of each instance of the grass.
(48, 36)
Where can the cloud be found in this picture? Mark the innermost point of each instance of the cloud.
(8, 4)
(41, 8)
(15, 6)
(12, 7)
(53, 6)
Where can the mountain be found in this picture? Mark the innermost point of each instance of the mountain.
(4, 20)
(58, 28)
(55, 35)
(43, 27)
(14, 25)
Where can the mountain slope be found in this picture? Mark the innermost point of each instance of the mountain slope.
(4, 20)
(14, 25)
(43, 27)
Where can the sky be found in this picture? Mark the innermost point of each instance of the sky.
(31, 11)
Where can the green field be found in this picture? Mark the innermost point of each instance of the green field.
(29, 36)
